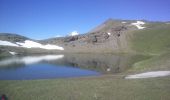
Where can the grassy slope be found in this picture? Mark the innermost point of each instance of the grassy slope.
(152, 41)
(103, 88)
(155, 42)
(156, 63)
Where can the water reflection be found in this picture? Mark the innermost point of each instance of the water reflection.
(29, 59)
(105, 63)
(68, 65)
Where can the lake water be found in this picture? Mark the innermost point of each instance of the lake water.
(63, 66)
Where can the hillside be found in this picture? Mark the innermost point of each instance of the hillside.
(119, 36)
(12, 37)
(110, 36)
(155, 40)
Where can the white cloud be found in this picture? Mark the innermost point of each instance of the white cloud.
(74, 33)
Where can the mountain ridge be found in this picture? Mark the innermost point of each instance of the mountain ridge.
(112, 36)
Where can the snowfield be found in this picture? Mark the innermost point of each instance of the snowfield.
(31, 44)
(139, 24)
(149, 75)
(6, 43)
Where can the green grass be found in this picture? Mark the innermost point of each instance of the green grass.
(159, 62)
(152, 41)
(98, 88)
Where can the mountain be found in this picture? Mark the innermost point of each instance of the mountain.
(12, 44)
(112, 36)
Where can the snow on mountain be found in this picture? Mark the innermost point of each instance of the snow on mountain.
(139, 24)
(109, 33)
(31, 44)
(124, 22)
(74, 33)
(6, 43)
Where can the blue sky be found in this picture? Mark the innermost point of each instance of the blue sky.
(40, 19)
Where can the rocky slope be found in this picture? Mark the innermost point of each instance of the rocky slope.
(111, 36)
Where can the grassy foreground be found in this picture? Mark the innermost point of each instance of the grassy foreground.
(96, 88)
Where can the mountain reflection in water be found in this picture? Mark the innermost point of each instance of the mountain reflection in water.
(70, 63)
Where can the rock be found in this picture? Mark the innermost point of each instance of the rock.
(119, 28)
(106, 35)
(70, 38)
(92, 39)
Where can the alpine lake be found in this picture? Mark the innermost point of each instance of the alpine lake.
(32, 67)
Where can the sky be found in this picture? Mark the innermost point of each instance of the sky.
(41, 19)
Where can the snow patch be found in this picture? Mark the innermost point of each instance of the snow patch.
(32, 44)
(74, 33)
(7, 43)
(138, 24)
(30, 59)
(12, 53)
(149, 75)
(108, 69)
(124, 22)
(49, 46)
(109, 33)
